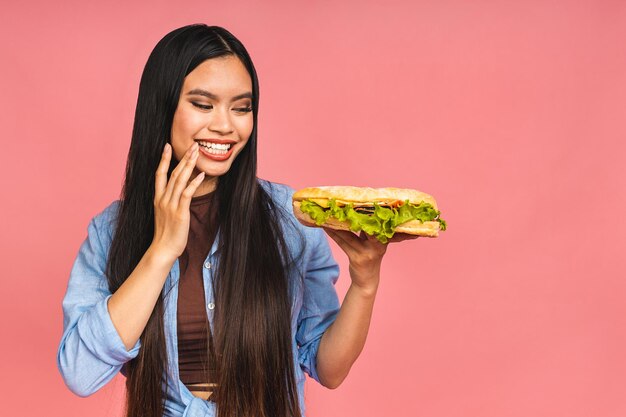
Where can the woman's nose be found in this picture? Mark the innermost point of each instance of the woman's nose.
(220, 122)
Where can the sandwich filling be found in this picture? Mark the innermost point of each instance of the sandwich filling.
(376, 219)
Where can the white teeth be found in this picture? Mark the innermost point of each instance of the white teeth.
(216, 148)
(224, 146)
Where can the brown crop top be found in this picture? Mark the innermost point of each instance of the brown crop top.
(192, 323)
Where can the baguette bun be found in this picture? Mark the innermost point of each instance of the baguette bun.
(366, 196)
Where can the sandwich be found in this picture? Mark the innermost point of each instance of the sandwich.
(380, 212)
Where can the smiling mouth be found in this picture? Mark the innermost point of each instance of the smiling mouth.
(215, 148)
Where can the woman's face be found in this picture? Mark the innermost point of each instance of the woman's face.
(215, 110)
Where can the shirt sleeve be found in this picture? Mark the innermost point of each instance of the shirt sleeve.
(320, 303)
(91, 351)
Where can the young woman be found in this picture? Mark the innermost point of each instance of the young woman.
(198, 284)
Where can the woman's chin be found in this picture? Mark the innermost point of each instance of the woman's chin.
(211, 171)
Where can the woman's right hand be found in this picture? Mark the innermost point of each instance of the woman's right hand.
(171, 203)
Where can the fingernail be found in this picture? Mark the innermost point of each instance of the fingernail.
(167, 148)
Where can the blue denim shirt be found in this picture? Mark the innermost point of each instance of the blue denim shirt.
(91, 351)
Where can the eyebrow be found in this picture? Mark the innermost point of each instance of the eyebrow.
(201, 92)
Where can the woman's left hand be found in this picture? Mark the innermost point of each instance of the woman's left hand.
(365, 254)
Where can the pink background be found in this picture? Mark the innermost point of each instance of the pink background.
(511, 114)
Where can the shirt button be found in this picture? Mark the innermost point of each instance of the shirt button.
(207, 265)
(211, 306)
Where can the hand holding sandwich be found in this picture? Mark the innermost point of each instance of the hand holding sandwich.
(365, 254)
(381, 216)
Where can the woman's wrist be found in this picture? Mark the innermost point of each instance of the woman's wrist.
(366, 292)
(157, 257)
(365, 282)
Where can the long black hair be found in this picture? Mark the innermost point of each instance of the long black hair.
(252, 325)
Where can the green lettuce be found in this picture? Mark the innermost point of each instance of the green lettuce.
(382, 223)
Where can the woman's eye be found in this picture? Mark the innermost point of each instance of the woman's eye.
(244, 109)
(202, 106)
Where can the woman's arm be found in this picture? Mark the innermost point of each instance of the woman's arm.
(132, 304)
(101, 330)
(343, 341)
